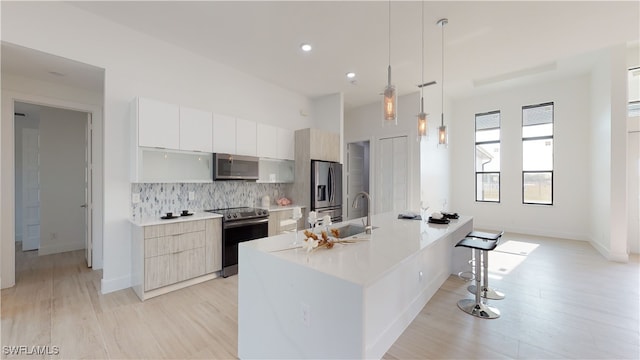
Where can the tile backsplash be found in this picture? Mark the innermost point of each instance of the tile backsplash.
(158, 198)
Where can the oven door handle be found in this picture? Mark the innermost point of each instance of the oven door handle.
(235, 224)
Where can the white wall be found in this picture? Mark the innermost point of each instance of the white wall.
(608, 217)
(62, 168)
(365, 123)
(633, 171)
(138, 65)
(569, 216)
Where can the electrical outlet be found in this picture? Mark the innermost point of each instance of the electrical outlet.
(306, 314)
(192, 195)
(135, 198)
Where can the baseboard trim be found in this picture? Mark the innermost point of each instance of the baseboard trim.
(59, 248)
(111, 285)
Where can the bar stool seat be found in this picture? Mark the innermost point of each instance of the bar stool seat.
(475, 306)
(485, 235)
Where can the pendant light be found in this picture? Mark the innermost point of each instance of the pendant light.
(390, 96)
(423, 131)
(442, 130)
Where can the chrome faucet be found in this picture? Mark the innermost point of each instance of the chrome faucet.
(368, 227)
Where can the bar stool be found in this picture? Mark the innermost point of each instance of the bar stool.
(485, 291)
(475, 306)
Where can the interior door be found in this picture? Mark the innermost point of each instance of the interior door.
(392, 175)
(30, 189)
(355, 180)
(88, 203)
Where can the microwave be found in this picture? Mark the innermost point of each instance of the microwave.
(234, 167)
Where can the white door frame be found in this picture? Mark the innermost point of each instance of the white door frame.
(7, 179)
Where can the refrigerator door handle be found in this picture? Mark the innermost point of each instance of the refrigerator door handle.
(332, 184)
(329, 185)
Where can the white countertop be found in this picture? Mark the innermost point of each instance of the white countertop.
(197, 215)
(392, 242)
(281, 208)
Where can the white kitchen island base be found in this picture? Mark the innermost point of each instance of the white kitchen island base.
(352, 301)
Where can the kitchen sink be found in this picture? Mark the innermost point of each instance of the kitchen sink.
(350, 230)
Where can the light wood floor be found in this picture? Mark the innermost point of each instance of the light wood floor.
(563, 301)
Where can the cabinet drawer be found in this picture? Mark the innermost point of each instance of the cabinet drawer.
(190, 263)
(175, 243)
(167, 269)
(159, 271)
(173, 229)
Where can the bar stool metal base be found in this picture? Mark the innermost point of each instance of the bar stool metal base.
(487, 293)
(480, 310)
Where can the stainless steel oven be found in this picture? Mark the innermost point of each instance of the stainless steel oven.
(238, 225)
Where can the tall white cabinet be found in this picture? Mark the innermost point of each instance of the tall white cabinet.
(224, 134)
(196, 127)
(158, 124)
(246, 137)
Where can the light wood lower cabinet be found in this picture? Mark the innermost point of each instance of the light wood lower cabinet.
(281, 221)
(171, 256)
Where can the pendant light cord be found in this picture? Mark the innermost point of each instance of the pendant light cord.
(444, 22)
(389, 33)
(422, 54)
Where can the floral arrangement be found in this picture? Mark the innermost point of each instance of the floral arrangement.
(313, 242)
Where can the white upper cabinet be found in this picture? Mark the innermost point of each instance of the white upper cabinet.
(246, 137)
(224, 134)
(196, 130)
(285, 144)
(267, 140)
(158, 124)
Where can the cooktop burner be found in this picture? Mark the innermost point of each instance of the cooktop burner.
(240, 213)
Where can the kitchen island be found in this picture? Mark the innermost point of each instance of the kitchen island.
(352, 301)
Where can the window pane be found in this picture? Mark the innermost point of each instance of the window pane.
(634, 110)
(488, 135)
(537, 188)
(537, 155)
(537, 130)
(488, 157)
(537, 115)
(488, 187)
(487, 121)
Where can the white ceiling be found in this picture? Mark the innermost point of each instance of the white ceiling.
(491, 43)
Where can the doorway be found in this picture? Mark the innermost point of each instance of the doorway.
(358, 165)
(53, 179)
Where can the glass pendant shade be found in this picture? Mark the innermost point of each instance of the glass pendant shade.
(423, 130)
(442, 135)
(390, 103)
(422, 125)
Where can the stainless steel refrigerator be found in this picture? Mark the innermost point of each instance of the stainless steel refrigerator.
(326, 189)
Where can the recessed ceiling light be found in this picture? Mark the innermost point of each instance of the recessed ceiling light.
(351, 75)
(305, 47)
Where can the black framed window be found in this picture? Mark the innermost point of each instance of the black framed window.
(537, 154)
(488, 157)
